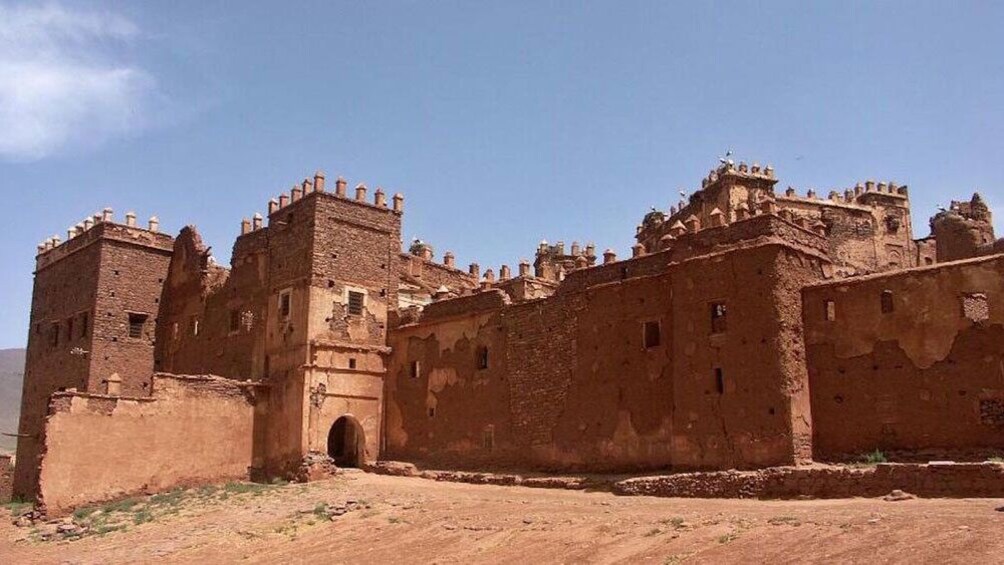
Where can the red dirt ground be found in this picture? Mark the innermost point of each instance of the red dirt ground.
(411, 520)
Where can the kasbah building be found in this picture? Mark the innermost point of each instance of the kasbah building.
(749, 329)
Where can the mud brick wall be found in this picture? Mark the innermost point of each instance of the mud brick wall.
(192, 430)
(871, 234)
(921, 374)
(197, 292)
(63, 290)
(357, 244)
(6, 478)
(465, 305)
(130, 283)
(960, 237)
(432, 275)
(571, 385)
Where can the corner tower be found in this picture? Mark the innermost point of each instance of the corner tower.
(94, 305)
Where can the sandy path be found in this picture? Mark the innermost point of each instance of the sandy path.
(413, 520)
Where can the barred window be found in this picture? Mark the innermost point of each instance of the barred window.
(356, 303)
(136, 325)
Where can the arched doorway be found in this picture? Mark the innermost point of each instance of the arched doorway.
(346, 442)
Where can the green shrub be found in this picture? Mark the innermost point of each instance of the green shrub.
(874, 458)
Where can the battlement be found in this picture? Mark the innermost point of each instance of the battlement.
(862, 194)
(729, 168)
(721, 189)
(310, 187)
(867, 227)
(553, 263)
(102, 226)
(673, 228)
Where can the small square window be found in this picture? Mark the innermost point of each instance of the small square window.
(652, 335)
(352, 362)
(136, 325)
(719, 318)
(416, 369)
(356, 303)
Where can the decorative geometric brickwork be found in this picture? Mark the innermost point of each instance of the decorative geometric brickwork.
(976, 307)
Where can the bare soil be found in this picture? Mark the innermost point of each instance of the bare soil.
(365, 518)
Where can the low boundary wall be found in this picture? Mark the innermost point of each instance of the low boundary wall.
(193, 430)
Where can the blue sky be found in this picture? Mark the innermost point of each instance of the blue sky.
(502, 123)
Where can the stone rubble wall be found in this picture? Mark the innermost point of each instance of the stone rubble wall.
(932, 480)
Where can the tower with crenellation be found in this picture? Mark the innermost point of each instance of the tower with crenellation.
(95, 302)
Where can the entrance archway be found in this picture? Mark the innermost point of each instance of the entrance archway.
(346, 442)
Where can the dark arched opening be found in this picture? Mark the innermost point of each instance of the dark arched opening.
(346, 443)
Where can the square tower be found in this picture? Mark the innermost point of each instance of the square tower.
(332, 278)
(94, 306)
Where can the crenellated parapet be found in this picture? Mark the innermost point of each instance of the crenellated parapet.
(713, 205)
(742, 170)
(553, 262)
(867, 226)
(317, 185)
(101, 225)
(868, 193)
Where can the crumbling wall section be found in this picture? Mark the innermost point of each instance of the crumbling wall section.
(431, 275)
(910, 363)
(213, 320)
(630, 370)
(964, 230)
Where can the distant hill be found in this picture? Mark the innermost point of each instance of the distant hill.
(11, 375)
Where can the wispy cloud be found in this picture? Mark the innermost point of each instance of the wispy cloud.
(62, 82)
